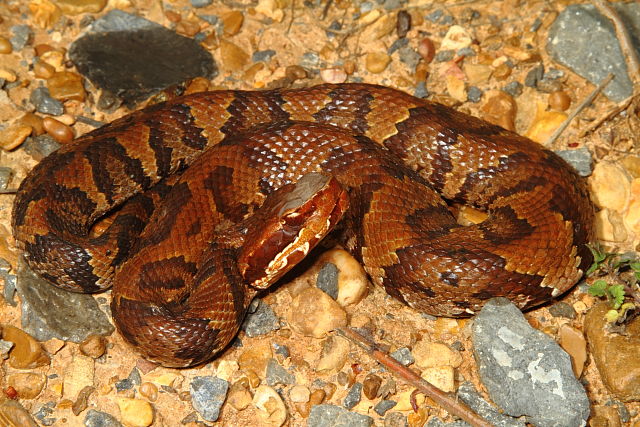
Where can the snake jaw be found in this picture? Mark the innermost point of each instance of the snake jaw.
(294, 219)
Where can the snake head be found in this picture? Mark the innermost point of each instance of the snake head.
(291, 222)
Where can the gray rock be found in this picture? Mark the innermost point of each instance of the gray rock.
(437, 422)
(444, 55)
(334, 416)
(208, 395)
(421, 90)
(9, 289)
(310, 60)
(44, 103)
(514, 89)
(585, 41)
(42, 414)
(263, 55)
(22, 36)
(40, 146)
(562, 309)
(534, 76)
(383, 406)
(5, 176)
(397, 44)
(468, 394)
(525, 371)
(281, 350)
(5, 347)
(353, 396)
(466, 51)
(474, 94)
(327, 280)
(261, 320)
(201, 3)
(435, 15)
(100, 419)
(409, 57)
(395, 419)
(134, 58)
(403, 355)
(49, 312)
(276, 374)
(580, 159)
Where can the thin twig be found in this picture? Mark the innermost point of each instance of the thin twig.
(622, 34)
(293, 5)
(450, 403)
(585, 103)
(614, 112)
(325, 11)
(9, 191)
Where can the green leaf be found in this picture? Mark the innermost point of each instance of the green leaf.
(598, 288)
(635, 266)
(598, 256)
(611, 316)
(617, 295)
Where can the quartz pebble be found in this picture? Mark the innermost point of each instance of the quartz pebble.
(270, 407)
(135, 412)
(333, 75)
(65, 86)
(442, 377)
(149, 391)
(610, 186)
(314, 313)
(270, 9)
(573, 342)
(429, 354)
(544, 124)
(28, 385)
(456, 38)
(299, 394)
(58, 130)
(352, 279)
(93, 346)
(26, 353)
(377, 62)
(335, 351)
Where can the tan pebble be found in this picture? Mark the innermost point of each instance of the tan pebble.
(78, 374)
(65, 404)
(14, 135)
(226, 369)
(42, 48)
(8, 75)
(58, 130)
(26, 353)
(13, 414)
(254, 379)
(418, 419)
(27, 384)
(610, 226)
(232, 56)
(335, 352)
(456, 38)
(615, 355)
(349, 67)
(442, 377)
(377, 62)
(429, 354)
(303, 408)
(333, 75)
(239, 396)
(381, 28)
(135, 412)
(477, 73)
(271, 9)
(255, 358)
(610, 186)
(165, 377)
(45, 13)
(559, 100)
(188, 28)
(314, 313)
(82, 400)
(632, 216)
(456, 87)
(369, 17)
(198, 84)
(299, 394)
(606, 416)
(422, 72)
(544, 123)
(427, 50)
(270, 407)
(65, 86)
(352, 279)
(173, 16)
(500, 109)
(371, 385)
(361, 321)
(149, 391)
(445, 325)
(631, 164)
(318, 396)
(34, 121)
(78, 7)
(93, 346)
(232, 22)
(502, 71)
(66, 119)
(5, 46)
(251, 72)
(580, 307)
(404, 400)
(55, 58)
(54, 345)
(295, 72)
(573, 342)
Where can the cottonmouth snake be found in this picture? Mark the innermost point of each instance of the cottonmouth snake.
(183, 283)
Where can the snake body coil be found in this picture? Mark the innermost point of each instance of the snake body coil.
(205, 172)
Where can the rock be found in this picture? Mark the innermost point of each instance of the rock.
(270, 9)
(263, 55)
(514, 89)
(49, 312)
(149, 391)
(313, 313)
(525, 371)
(353, 396)
(585, 41)
(78, 374)
(65, 86)
(135, 412)
(456, 38)
(632, 216)
(299, 394)
(58, 130)
(442, 377)
(544, 124)
(333, 75)
(474, 94)
(22, 36)
(328, 279)
(255, 358)
(233, 57)
(270, 407)
(232, 22)
(276, 374)
(426, 49)
(573, 342)
(261, 320)
(500, 109)
(26, 352)
(100, 419)
(615, 356)
(396, 419)
(407, 399)
(610, 186)
(78, 7)
(28, 385)
(201, 3)
(580, 159)
(134, 58)
(207, 396)
(14, 415)
(5, 46)
(469, 395)
(14, 135)
(239, 396)
(335, 351)
(40, 146)
(44, 103)
(403, 355)
(371, 386)
(559, 100)
(226, 369)
(94, 346)
(377, 62)
(352, 279)
(383, 406)
(334, 416)
(429, 354)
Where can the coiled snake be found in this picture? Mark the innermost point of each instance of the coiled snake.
(221, 192)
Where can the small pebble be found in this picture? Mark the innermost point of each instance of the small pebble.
(559, 100)
(8, 75)
(403, 24)
(14, 135)
(233, 57)
(331, 415)
(276, 374)
(502, 71)
(514, 89)
(269, 405)
(58, 130)
(500, 109)
(94, 346)
(149, 391)
(135, 412)
(255, 358)
(65, 86)
(314, 313)
(42, 70)
(239, 396)
(353, 396)
(580, 159)
(426, 49)
(328, 280)
(573, 342)
(100, 419)
(44, 103)
(474, 94)
(333, 75)
(15, 415)
(232, 22)
(562, 309)
(371, 385)
(5, 45)
(383, 406)
(201, 3)
(456, 38)
(534, 76)
(40, 146)
(261, 319)
(433, 354)
(28, 385)
(445, 55)
(263, 55)
(333, 356)
(404, 356)
(207, 396)
(22, 35)
(26, 353)
(377, 62)
(299, 394)
(82, 400)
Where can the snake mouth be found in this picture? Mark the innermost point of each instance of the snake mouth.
(294, 219)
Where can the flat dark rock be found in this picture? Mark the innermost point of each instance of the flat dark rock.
(134, 58)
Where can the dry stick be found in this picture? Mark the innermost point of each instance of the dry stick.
(586, 102)
(293, 5)
(446, 401)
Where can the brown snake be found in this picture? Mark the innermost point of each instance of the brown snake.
(183, 283)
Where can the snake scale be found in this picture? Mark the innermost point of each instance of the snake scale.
(221, 192)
